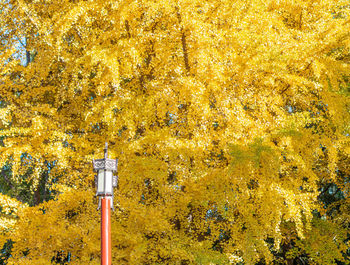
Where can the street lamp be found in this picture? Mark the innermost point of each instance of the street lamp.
(105, 182)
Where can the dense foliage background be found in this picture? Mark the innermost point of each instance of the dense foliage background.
(230, 120)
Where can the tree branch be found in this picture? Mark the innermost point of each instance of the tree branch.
(184, 42)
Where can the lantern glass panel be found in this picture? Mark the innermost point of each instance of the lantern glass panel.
(100, 181)
(109, 182)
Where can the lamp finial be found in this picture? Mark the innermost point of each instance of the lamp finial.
(106, 150)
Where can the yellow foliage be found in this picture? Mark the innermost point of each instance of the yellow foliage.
(217, 111)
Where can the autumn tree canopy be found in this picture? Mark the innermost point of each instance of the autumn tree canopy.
(229, 119)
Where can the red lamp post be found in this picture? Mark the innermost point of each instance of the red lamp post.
(105, 181)
(106, 254)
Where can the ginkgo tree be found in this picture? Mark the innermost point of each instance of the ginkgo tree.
(229, 120)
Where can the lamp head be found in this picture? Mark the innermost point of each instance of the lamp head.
(105, 181)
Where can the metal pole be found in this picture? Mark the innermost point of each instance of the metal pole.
(106, 253)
